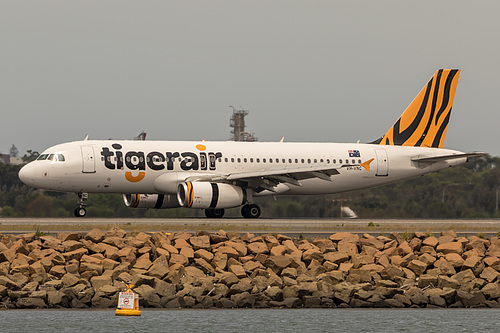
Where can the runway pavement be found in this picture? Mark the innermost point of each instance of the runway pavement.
(309, 227)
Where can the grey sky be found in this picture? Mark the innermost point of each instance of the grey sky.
(337, 71)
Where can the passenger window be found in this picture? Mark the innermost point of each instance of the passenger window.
(239, 160)
(315, 161)
(296, 160)
(263, 160)
(258, 160)
(359, 161)
(334, 161)
(353, 161)
(270, 160)
(232, 159)
(308, 160)
(340, 161)
(245, 160)
(290, 160)
(251, 160)
(328, 161)
(302, 160)
(225, 159)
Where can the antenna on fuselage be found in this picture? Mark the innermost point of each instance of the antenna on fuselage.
(86, 138)
(141, 136)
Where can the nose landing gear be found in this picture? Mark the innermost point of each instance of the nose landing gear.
(81, 211)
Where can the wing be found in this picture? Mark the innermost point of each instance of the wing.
(270, 179)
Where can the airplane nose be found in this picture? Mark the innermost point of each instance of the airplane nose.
(27, 174)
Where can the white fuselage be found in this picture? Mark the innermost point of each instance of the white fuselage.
(111, 166)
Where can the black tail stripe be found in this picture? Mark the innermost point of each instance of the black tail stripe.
(441, 130)
(215, 195)
(433, 109)
(446, 96)
(400, 138)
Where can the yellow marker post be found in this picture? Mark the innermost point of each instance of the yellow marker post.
(128, 303)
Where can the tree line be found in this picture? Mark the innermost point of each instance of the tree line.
(470, 190)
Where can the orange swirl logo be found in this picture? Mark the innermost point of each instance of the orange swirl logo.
(135, 179)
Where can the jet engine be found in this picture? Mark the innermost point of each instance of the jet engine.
(157, 201)
(210, 195)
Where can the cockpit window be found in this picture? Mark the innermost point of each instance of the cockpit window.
(51, 157)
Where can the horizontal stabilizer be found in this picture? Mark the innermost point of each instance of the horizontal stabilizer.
(435, 159)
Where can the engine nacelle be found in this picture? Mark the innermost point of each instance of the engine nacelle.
(157, 201)
(210, 195)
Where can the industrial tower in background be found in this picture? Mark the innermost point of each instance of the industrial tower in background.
(237, 125)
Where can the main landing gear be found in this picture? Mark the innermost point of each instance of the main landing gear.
(249, 211)
(81, 211)
(214, 213)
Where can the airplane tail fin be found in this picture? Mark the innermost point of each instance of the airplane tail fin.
(424, 122)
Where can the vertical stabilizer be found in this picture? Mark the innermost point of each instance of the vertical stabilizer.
(424, 122)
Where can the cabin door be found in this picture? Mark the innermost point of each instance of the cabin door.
(382, 163)
(88, 164)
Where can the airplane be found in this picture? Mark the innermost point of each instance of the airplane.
(215, 176)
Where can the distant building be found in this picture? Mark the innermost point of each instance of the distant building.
(4, 158)
(11, 158)
(237, 125)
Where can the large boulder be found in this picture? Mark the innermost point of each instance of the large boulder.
(100, 281)
(159, 268)
(417, 266)
(243, 300)
(336, 257)
(450, 247)
(258, 248)
(30, 303)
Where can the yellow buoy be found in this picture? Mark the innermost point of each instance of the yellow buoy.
(128, 303)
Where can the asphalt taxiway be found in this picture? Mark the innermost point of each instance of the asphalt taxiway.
(311, 227)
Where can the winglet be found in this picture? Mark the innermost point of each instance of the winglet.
(366, 164)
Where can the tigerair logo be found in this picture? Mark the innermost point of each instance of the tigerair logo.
(134, 163)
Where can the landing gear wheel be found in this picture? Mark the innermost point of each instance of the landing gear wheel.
(250, 211)
(214, 213)
(80, 212)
